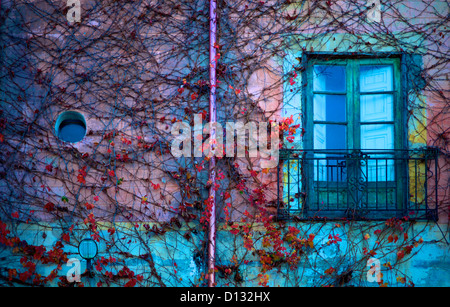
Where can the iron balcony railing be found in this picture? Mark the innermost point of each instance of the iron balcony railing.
(357, 184)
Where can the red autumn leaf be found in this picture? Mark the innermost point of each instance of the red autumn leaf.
(95, 237)
(330, 270)
(131, 283)
(89, 206)
(155, 186)
(12, 273)
(81, 179)
(66, 237)
(24, 276)
(204, 113)
(49, 207)
(235, 229)
(226, 196)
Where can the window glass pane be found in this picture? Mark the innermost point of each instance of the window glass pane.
(380, 168)
(376, 78)
(329, 168)
(378, 107)
(329, 78)
(326, 165)
(377, 136)
(329, 136)
(329, 107)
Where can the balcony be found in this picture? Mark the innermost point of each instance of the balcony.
(358, 185)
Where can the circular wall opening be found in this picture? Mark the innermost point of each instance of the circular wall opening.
(70, 126)
(87, 249)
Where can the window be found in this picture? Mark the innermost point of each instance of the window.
(354, 162)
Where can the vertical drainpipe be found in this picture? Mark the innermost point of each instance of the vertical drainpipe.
(212, 161)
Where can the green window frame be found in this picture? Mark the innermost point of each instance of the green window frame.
(362, 178)
(351, 180)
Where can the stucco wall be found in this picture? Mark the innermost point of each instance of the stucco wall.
(178, 255)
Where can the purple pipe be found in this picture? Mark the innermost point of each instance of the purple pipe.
(212, 161)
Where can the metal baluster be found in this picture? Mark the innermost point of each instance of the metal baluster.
(289, 186)
(298, 184)
(376, 184)
(385, 183)
(328, 191)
